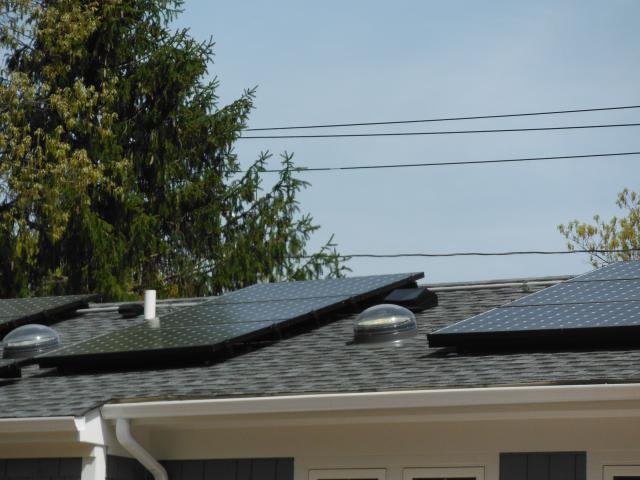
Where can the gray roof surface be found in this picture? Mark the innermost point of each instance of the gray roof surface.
(317, 361)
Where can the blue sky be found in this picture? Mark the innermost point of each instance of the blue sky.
(351, 61)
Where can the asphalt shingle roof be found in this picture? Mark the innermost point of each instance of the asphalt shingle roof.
(318, 361)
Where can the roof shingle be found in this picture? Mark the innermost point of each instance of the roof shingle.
(318, 361)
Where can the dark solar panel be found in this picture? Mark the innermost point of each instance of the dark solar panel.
(584, 292)
(550, 317)
(340, 287)
(234, 318)
(596, 308)
(18, 311)
(212, 313)
(164, 339)
(616, 271)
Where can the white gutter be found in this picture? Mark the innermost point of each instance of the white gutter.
(137, 451)
(375, 400)
(89, 429)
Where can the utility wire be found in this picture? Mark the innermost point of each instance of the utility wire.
(448, 164)
(444, 119)
(444, 132)
(478, 254)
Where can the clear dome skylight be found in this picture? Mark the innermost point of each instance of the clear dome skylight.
(29, 340)
(385, 323)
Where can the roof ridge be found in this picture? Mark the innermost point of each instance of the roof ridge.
(497, 283)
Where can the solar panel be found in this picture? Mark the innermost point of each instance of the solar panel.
(352, 287)
(584, 292)
(237, 317)
(596, 308)
(213, 313)
(164, 340)
(549, 317)
(617, 271)
(18, 311)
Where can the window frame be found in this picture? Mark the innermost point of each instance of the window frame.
(611, 471)
(443, 472)
(347, 473)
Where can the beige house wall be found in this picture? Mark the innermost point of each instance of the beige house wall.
(396, 446)
(414, 438)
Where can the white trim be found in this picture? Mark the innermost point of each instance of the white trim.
(94, 466)
(348, 473)
(448, 473)
(560, 411)
(38, 424)
(93, 429)
(396, 401)
(90, 429)
(610, 471)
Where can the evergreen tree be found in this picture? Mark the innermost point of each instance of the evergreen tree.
(117, 167)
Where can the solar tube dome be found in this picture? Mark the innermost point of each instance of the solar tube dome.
(29, 340)
(385, 323)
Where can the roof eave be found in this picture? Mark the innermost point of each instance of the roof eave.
(393, 401)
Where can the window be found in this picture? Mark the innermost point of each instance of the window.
(349, 474)
(622, 472)
(467, 473)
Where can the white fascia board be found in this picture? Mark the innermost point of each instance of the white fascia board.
(90, 429)
(395, 400)
(38, 424)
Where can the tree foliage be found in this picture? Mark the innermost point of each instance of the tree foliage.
(618, 233)
(117, 166)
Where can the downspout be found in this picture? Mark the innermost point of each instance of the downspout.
(131, 445)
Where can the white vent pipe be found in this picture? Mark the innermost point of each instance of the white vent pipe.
(149, 304)
(131, 445)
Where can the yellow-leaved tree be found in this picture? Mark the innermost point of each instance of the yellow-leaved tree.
(610, 240)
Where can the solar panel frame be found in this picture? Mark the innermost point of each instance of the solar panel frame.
(539, 339)
(316, 300)
(9, 368)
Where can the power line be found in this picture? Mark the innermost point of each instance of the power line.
(448, 164)
(444, 119)
(444, 132)
(478, 254)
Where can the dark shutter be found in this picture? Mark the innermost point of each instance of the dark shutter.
(40, 468)
(513, 466)
(122, 468)
(119, 468)
(543, 466)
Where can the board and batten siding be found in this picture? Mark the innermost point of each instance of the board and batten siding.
(543, 466)
(121, 468)
(40, 469)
